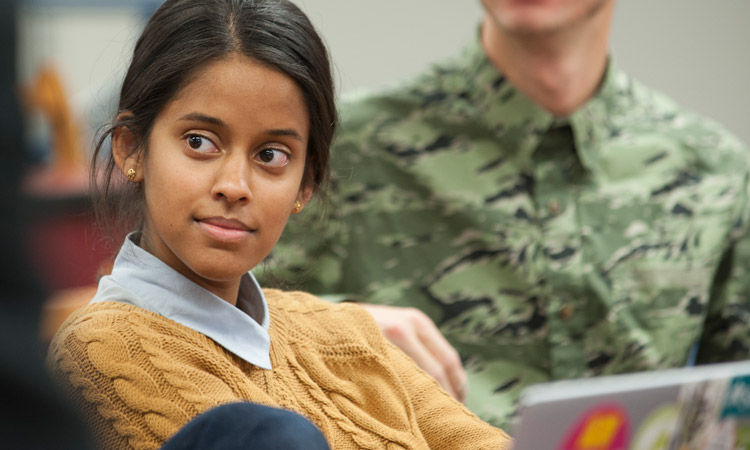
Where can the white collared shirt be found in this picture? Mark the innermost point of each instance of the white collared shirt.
(140, 279)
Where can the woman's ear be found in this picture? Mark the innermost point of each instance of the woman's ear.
(126, 151)
(303, 196)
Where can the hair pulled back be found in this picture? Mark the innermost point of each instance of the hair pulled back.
(181, 38)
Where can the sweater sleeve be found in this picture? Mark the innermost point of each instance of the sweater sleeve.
(445, 423)
(114, 367)
(375, 385)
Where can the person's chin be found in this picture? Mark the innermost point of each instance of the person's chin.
(530, 25)
(224, 272)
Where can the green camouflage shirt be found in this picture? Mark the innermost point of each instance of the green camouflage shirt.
(611, 241)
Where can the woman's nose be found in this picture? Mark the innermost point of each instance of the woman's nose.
(232, 182)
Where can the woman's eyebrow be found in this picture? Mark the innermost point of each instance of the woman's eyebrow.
(198, 117)
(286, 132)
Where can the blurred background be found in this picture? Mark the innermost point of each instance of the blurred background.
(72, 54)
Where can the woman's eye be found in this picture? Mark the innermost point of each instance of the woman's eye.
(200, 144)
(273, 157)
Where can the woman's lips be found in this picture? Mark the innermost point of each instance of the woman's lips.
(224, 229)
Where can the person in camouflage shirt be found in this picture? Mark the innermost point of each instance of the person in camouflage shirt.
(546, 240)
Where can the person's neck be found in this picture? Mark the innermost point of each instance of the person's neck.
(558, 71)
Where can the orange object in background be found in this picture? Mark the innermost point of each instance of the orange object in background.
(58, 307)
(66, 173)
(63, 244)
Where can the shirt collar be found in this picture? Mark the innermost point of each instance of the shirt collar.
(599, 119)
(143, 280)
(519, 123)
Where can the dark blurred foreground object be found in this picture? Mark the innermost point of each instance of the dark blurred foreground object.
(32, 415)
(237, 426)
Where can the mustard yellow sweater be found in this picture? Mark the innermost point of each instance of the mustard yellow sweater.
(138, 377)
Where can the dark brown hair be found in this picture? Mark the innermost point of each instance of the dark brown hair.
(181, 38)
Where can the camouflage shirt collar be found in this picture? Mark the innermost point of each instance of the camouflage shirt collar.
(520, 123)
(594, 123)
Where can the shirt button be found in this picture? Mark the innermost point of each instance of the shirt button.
(554, 207)
(566, 312)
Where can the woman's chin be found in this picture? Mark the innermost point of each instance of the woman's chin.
(222, 275)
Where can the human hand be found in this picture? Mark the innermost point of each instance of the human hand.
(416, 335)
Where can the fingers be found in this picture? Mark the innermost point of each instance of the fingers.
(405, 335)
(446, 355)
(417, 336)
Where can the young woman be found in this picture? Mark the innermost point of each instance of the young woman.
(225, 119)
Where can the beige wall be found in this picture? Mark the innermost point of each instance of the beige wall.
(697, 51)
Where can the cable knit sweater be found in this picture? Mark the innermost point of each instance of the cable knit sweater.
(138, 377)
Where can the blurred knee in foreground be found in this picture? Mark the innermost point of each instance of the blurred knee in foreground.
(247, 425)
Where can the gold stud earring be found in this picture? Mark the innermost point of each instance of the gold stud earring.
(297, 207)
(131, 174)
